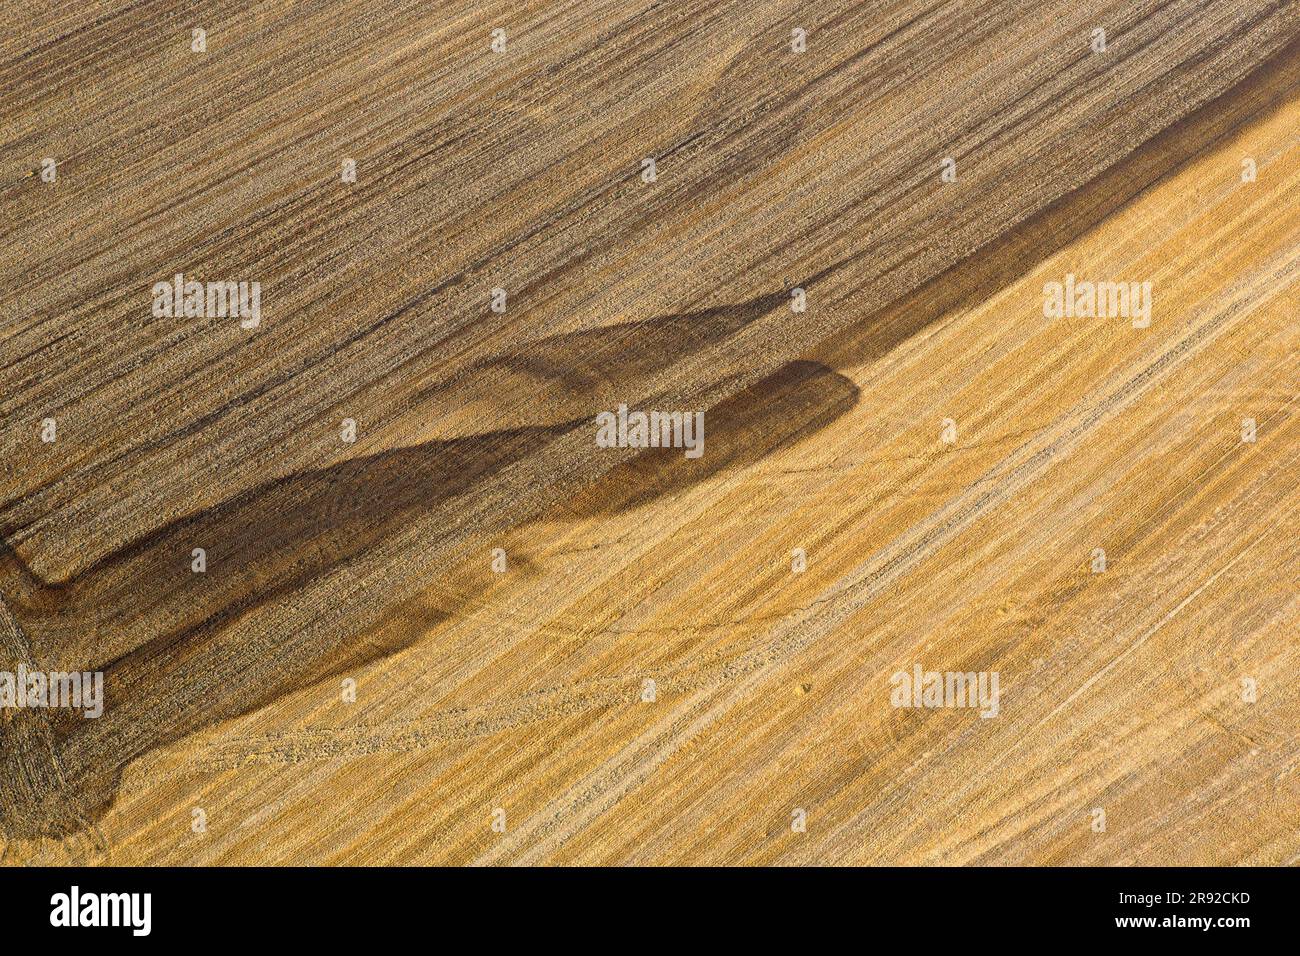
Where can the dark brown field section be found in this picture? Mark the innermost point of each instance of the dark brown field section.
(477, 171)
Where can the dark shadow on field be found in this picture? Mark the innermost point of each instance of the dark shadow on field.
(60, 771)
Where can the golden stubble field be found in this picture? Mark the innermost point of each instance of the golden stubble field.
(568, 654)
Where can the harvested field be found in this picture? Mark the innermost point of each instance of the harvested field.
(991, 323)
